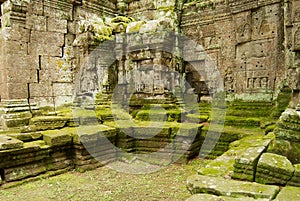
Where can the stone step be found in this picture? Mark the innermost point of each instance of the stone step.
(223, 187)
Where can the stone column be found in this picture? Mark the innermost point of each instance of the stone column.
(14, 49)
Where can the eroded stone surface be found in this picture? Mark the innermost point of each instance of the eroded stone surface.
(220, 186)
(273, 169)
(7, 142)
(207, 197)
(295, 181)
(57, 137)
(288, 193)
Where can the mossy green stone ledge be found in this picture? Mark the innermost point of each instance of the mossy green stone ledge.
(207, 197)
(57, 137)
(48, 122)
(289, 193)
(224, 187)
(93, 133)
(26, 136)
(7, 142)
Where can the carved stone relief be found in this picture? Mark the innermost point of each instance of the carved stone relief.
(243, 26)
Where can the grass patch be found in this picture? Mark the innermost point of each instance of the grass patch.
(106, 184)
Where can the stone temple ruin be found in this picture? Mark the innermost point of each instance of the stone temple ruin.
(82, 81)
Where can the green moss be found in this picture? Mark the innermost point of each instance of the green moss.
(282, 101)
(122, 19)
(166, 8)
(134, 27)
(270, 128)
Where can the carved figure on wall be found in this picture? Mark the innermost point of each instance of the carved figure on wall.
(229, 82)
(250, 83)
(257, 83)
(244, 32)
(264, 82)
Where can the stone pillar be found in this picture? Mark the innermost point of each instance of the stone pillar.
(14, 48)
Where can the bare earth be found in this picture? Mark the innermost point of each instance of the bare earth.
(105, 184)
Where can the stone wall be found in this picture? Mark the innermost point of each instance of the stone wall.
(254, 43)
(38, 58)
(246, 40)
(292, 33)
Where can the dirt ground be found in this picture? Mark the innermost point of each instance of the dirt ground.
(105, 184)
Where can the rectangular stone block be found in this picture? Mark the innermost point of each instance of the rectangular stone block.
(45, 49)
(63, 99)
(7, 142)
(63, 89)
(43, 89)
(17, 90)
(15, 47)
(27, 76)
(24, 171)
(46, 43)
(57, 25)
(20, 34)
(198, 184)
(43, 101)
(295, 10)
(36, 7)
(59, 9)
(36, 22)
(57, 138)
(55, 69)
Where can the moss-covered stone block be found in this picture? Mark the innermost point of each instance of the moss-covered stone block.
(26, 136)
(208, 197)
(36, 143)
(134, 27)
(286, 148)
(224, 187)
(7, 142)
(48, 122)
(57, 137)
(92, 134)
(273, 169)
(288, 193)
(16, 122)
(24, 171)
(295, 181)
(245, 165)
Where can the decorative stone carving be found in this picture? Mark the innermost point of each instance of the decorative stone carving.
(243, 27)
(297, 39)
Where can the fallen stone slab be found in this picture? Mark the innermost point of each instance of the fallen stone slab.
(245, 165)
(288, 193)
(207, 197)
(273, 169)
(231, 188)
(7, 142)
